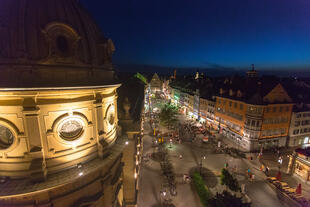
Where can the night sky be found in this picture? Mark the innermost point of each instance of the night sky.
(207, 33)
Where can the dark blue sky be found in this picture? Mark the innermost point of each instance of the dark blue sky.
(207, 33)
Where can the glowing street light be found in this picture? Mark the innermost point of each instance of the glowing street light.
(200, 167)
(126, 143)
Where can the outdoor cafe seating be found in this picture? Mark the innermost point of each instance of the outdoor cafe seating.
(291, 192)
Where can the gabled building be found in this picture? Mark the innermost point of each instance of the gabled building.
(155, 83)
(254, 113)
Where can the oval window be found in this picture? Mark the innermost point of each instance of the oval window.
(6, 137)
(70, 129)
(111, 115)
(62, 44)
(111, 118)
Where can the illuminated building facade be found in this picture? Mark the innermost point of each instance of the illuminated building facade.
(299, 164)
(300, 126)
(155, 84)
(206, 110)
(300, 120)
(131, 122)
(196, 103)
(254, 119)
(58, 114)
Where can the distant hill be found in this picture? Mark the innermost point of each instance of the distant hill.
(213, 72)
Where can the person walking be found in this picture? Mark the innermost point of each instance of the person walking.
(243, 188)
(252, 177)
(266, 170)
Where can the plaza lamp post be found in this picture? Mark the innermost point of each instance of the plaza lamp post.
(238, 143)
(203, 157)
(170, 146)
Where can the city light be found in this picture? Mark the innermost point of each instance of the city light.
(81, 173)
(73, 145)
(126, 143)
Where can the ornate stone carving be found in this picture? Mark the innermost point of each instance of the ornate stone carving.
(63, 43)
(126, 107)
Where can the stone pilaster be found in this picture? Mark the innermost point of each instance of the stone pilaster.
(36, 146)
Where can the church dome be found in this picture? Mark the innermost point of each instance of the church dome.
(52, 43)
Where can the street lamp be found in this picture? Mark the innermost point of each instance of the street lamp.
(200, 165)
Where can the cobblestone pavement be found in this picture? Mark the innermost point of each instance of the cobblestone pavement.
(150, 181)
(270, 160)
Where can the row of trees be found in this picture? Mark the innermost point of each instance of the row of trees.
(227, 199)
(168, 115)
(224, 199)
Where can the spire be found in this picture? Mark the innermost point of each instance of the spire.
(252, 73)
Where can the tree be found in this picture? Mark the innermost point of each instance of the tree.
(203, 192)
(168, 115)
(227, 199)
(228, 180)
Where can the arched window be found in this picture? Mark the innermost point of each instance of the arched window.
(62, 45)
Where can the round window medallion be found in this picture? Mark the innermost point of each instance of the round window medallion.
(70, 129)
(6, 137)
(111, 115)
(111, 118)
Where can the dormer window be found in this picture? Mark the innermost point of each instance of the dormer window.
(62, 45)
(231, 92)
(239, 94)
(63, 41)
